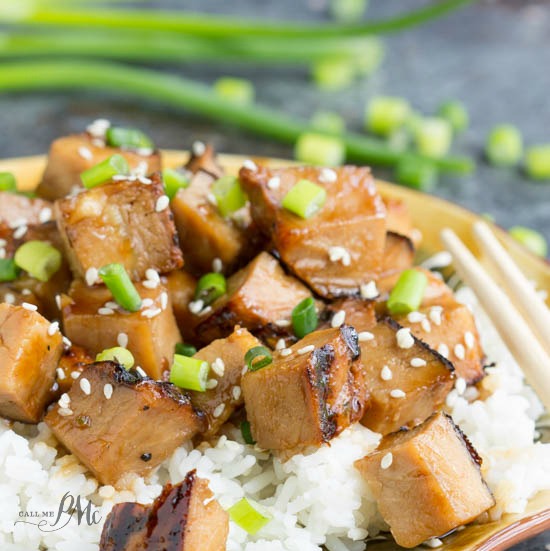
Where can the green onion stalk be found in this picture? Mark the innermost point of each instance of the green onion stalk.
(181, 93)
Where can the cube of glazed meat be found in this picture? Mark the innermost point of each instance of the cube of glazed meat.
(181, 286)
(407, 380)
(71, 155)
(398, 219)
(309, 396)
(92, 320)
(203, 157)
(260, 297)
(398, 256)
(18, 210)
(185, 515)
(28, 359)
(204, 234)
(124, 222)
(336, 250)
(74, 360)
(427, 481)
(226, 358)
(82, 421)
(359, 313)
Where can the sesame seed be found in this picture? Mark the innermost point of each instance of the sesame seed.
(9, 298)
(250, 165)
(30, 307)
(426, 325)
(404, 338)
(418, 362)
(105, 311)
(244, 369)
(218, 367)
(162, 203)
(211, 198)
(365, 336)
(75, 374)
(198, 148)
(85, 153)
(433, 543)
(164, 300)
(338, 319)
(306, 349)
(469, 339)
(339, 254)
(65, 412)
(460, 351)
(217, 265)
(149, 284)
(387, 460)
(60, 373)
(205, 311)
(141, 169)
(415, 317)
(274, 183)
(369, 290)
(280, 344)
(145, 151)
(67, 342)
(111, 304)
(443, 349)
(26, 292)
(53, 328)
(58, 301)
(286, 352)
(108, 390)
(460, 385)
(435, 314)
(91, 276)
(328, 176)
(122, 340)
(386, 373)
(397, 393)
(20, 232)
(45, 215)
(282, 323)
(218, 411)
(18, 222)
(151, 312)
(64, 400)
(438, 260)
(98, 128)
(55, 387)
(212, 383)
(152, 275)
(85, 386)
(196, 306)
(236, 392)
(141, 371)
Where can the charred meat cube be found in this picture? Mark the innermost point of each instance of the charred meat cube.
(359, 313)
(204, 234)
(82, 421)
(94, 321)
(203, 157)
(226, 358)
(18, 210)
(124, 222)
(70, 156)
(185, 517)
(407, 380)
(339, 248)
(427, 480)
(309, 396)
(29, 351)
(246, 303)
(398, 256)
(398, 219)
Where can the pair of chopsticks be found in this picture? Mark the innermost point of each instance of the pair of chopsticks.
(526, 334)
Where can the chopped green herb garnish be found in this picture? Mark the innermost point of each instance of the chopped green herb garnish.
(229, 195)
(189, 373)
(8, 269)
(185, 349)
(408, 292)
(504, 146)
(456, 114)
(385, 114)
(433, 137)
(537, 162)
(305, 199)
(210, 287)
(117, 354)
(130, 138)
(531, 239)
(257, 358)
(174, 180)
(304, 318)
(7, 182)
(119, 283)
(249, 515)
(247, 433)
(236, 90)
(104, 171)
(39, 259)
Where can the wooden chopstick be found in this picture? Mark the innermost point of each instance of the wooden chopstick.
(533, 308)
(513, 329)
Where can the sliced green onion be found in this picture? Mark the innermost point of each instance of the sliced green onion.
(372, 55)
(229, 195)
(119, 283)
(334, 72)
(7, 182)
(128, 137)
(104, 171)
(537, 162)
(249, 515)
(183, 349)
(257, 358)
(304, 318)
(189, 373)
(237, 90)
(305, 199)
(504, 146)
(531, 239)
(174, 180)
(8, 269)
(210, 287)
(348, 10)
(319, 149)
(385, 114)
(39, 259)
(408, 292)
(247, 433)
(417, 173)
(327, 121)
(455, 113)
(433, 137)
(117, 354)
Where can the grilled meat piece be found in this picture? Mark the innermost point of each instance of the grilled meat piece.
(72, 363)
(185, 517)
(398, 219)
(28, 359)
(226, 356)
(92, 320)
(308, 397)
(360, 313)
(406, 384)
(398, 256)
(351, 224)
(437, 291)
(70, 156)
(119, 222)
(18, 210)
(181, 287)
(427, 480)
(111, 418)
(205, 161)
(246, 303)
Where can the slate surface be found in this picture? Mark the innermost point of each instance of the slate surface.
(494, 56)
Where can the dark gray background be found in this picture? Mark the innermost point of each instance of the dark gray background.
(494, 56)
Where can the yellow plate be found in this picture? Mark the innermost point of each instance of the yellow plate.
(429, 215)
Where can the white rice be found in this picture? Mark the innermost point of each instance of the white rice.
(316, 499)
